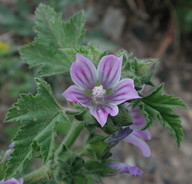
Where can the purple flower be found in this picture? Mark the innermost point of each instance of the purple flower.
(123, 168)
(8, 152)
(134, 134)
(101, 89)
(137, 135)
(119, 135)
(12, 181)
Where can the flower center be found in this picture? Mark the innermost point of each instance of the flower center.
(98, 93)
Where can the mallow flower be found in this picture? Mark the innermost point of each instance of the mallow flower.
(137, 135)
(101, 89)
(12, 181)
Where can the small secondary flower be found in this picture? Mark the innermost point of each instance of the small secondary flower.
(119, 135)
(134, 133)
(8, 152)
(124, 168)
(101, 89)
(12, 181)
(136, 136)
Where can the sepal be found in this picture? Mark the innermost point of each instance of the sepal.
(115, 123)
(67, 166)
(96, 148)
(140, 70)
(100, 167)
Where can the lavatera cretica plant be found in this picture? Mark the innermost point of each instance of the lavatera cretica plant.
(103, 97)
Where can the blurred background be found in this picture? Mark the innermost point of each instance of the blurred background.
(147, 28)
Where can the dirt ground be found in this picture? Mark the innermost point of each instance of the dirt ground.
(148, 29)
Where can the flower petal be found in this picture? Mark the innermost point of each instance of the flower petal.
(143, 146)
(12, 181)
(83, 72)
(20, 181)
(124, 168)
(109, 70)
(145, 134)
(119, 135)
(74, 94)
(124, 91)
(138, 119)
(101, 112)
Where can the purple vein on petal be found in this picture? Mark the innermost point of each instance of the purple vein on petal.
(83, 72)
(109, 70)
(74, 94)
(124, 91)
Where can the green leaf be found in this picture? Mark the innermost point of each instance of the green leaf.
(39, 107)
(51, 29)
(53, 35)
(91, 52)
(2, 168)
(160, 105)
(38, 115)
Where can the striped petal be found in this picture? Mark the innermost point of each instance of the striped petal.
(74, 94)
(138, 119)
(109, 70)
(145, 134)
(83, 72)
(101, 112)
(124, 91)
(142, 145)
(12, 181)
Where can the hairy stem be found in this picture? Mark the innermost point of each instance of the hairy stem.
(73, 134)
(42, 173)
(45, 172)
(71, 111)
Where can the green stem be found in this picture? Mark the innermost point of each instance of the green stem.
(71, 111)
(45, 172)
(42, 173)
(72, 135)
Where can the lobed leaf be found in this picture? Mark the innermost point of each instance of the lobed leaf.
(91, 52)
(52, 35)
(161, 106)
(38, 115)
